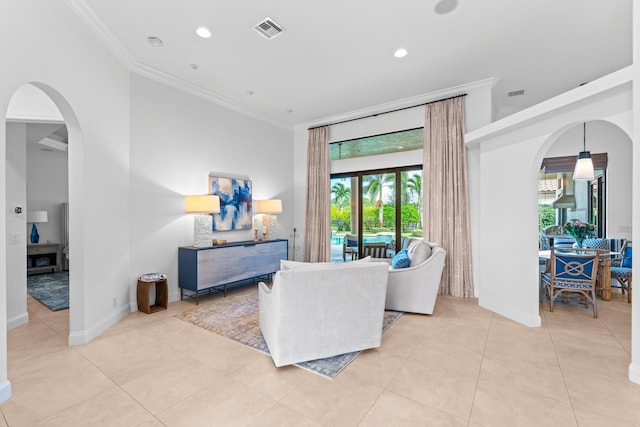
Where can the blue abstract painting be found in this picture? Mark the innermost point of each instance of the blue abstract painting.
(235, 203)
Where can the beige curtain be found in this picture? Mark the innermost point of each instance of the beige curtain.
(446, 200)
(317, 234)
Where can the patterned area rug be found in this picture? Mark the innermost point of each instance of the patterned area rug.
(51, 290)
(236, 317)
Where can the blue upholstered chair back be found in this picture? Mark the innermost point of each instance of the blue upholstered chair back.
(573, 267)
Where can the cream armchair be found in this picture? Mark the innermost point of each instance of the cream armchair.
(320, 310)
(415, 288)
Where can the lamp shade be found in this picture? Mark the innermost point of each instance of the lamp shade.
(37, 216)
(584, 167)
(272, 206)
(205, 204)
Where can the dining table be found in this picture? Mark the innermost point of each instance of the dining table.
(603, 281)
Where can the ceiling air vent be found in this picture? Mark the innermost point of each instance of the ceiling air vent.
(516, 92)
(268, 28)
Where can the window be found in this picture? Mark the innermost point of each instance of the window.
(380, 206)
(562, 199)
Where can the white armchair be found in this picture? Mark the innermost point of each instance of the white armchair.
(415, 288)
(322, 310)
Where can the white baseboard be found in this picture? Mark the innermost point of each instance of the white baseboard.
(88, 335)
(5, 391)
(533, 321)
(19, 320)
(634, 373)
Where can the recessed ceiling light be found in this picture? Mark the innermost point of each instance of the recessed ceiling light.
(194, 66)
(445, 6)
(289, 110)
(400, 53)
(203, 32)
(155, 41)
(249, 92)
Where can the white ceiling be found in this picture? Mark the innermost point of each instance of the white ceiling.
(337, 56)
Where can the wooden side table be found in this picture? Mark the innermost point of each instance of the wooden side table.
(162, 296)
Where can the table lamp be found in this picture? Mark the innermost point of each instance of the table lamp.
(202, 227)
(36, 217)
(268, 208)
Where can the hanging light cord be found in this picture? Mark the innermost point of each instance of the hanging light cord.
(584, 136)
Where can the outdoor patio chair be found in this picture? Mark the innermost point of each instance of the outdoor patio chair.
(349, 246)
(375, 250)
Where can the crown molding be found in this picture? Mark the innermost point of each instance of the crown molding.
(94, 23)
(169, 80)
(406, 102)
(87, 15)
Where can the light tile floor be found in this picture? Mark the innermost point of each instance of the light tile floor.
(461, 366)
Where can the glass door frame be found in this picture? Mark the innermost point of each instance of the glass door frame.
(398, 199)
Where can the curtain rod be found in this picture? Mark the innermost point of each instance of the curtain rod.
(392, 111)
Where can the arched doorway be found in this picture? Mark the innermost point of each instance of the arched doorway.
(562, 199)
(41, 118)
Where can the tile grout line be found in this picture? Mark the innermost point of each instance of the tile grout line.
(484, 349)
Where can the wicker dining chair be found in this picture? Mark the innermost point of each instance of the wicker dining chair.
(573, 270)
(622, 272)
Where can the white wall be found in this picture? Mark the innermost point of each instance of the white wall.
(16, 188)
(634, 366)
(90, 88)
(176, 141)
(47, 187)
(510, 153)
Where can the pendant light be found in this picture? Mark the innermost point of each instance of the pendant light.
(584, 165)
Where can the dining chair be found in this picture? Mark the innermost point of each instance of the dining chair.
(573, 270)
(622, 272)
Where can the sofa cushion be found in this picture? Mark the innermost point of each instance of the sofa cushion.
(295, 265)
(401, 260)
(418, 251)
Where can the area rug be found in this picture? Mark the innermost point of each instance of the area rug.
(51, 290)
(236, 317)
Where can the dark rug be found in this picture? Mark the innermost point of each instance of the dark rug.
(51, 290)
(236, 317)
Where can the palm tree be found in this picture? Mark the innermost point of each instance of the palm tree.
(342, 195)
(414, 183)
(374, 189)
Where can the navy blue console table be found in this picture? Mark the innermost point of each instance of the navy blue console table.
(222, 265)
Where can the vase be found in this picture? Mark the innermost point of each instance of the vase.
(34, 237)
(579, 243)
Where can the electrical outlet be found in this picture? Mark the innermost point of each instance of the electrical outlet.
(14, 238)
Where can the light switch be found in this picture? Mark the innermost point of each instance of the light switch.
(14, 238)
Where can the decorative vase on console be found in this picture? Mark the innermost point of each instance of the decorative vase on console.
(579, 243)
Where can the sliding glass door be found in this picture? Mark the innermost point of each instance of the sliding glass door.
(371, 212)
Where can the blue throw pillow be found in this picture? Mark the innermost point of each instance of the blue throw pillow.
(401, 260)
(626, 257)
